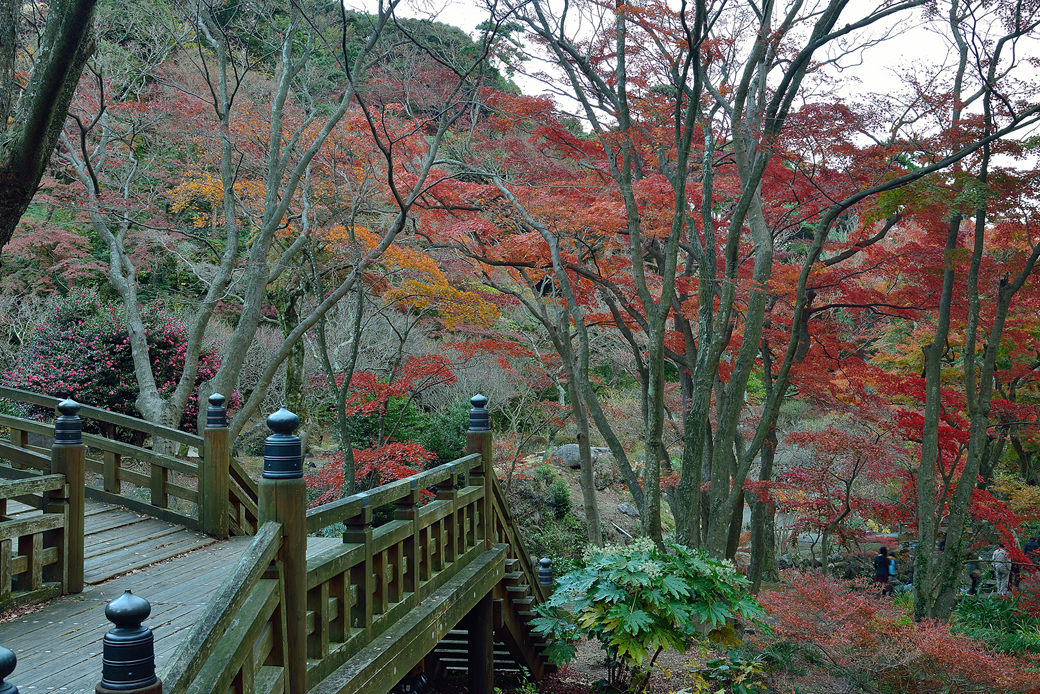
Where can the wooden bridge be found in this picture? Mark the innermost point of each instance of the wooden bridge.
(245, 595)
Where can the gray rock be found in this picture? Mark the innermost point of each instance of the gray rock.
(568, 455)
(628, 509)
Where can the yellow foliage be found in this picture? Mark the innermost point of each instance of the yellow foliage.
(1022, 499)
(420, 284)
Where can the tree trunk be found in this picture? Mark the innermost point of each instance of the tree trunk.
(763, 517)
(925, 579)
(66, 45)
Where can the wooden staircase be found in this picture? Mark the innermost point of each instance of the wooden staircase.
(517, 650)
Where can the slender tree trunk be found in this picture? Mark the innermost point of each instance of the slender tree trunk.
(925, 578)
(763, 517)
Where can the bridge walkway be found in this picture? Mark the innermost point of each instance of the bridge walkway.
(59, 645)
(247, 593)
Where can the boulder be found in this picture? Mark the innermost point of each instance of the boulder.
(568, 455)
(628, 509)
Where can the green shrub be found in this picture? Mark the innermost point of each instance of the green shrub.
(999, 622)
(444, 433)
(639, 600)
(735, 673)
(560, 498)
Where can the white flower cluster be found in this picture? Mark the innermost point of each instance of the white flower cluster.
(651, 568)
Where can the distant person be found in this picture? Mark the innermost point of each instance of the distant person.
(1032, 550)
(882, 571)
(1002, 568)
(975, 574)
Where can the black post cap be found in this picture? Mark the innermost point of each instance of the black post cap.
(129, 648)
(283, 455)
(8, 661)
(68, 428)
(216, 415)
(478, 415)
(545, 577)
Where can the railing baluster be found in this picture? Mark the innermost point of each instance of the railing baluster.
(450, 534)
(6, 578)
(159, 476)
(408, 510)
(359, 530)
(113, 462)
(318, 603)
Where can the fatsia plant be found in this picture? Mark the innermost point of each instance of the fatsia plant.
(639, 600)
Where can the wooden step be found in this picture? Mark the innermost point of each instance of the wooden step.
(518, 591)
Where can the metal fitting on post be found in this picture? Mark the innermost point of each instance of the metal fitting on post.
(478, 415)
(283, 455)
(68, 428)
(545, 576)
(8, 661)
(216, 414)
(128, 664)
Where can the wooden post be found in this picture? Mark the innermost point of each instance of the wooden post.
(214, 471)
(283, 498)
(359, 530)
(478, 440)
(68, 457)
(479, 626)
(446, 492)
(408, 510)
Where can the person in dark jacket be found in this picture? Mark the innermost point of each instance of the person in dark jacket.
(1031, 550)
(882, 575)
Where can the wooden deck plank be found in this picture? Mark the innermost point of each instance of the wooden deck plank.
(121, 538)
(59, 647)
(131, 560)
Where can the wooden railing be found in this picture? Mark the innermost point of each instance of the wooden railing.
(357, 590)
(240, 641)
(336, 605)
(33, 549)
(213, 495)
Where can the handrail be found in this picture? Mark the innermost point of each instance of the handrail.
(24, 456)
(340, 510)
(222, 609)
(10, 489)
(104, 416)
(514, 539)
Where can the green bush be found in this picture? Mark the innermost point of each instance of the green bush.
(639, 600)
(999, 622)
(444, 433)
(735, 673)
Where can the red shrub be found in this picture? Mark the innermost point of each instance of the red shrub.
(870, 640)
(375, 466)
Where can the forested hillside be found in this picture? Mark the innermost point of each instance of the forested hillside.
(783, 320)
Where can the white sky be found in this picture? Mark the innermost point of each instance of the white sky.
(875, 72)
